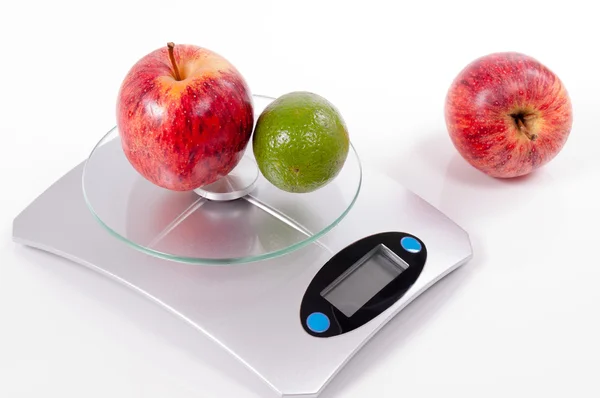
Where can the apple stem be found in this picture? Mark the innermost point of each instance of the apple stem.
(523, 128)
(171, 46)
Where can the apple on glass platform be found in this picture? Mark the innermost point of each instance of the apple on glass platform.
(185, 116)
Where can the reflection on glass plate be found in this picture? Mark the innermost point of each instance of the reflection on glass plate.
(187, 227)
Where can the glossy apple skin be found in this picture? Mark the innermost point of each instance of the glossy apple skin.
(478, 110)
(181, 135)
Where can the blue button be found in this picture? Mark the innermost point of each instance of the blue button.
(410, 244)
(317, 322)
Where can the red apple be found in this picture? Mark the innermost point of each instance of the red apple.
(507, 114)
(185, 116)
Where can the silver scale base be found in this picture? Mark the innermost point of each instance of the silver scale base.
(249, 310)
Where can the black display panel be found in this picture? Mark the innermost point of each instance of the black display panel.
(360, 282)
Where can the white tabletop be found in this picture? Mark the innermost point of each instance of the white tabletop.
(520, 320)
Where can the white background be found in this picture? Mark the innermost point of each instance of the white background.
(520, 320)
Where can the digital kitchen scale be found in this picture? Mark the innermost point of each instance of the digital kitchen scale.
(292, 285)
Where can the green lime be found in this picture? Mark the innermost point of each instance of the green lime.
(300, 142)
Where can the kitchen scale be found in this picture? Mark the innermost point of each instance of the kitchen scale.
(292, 285)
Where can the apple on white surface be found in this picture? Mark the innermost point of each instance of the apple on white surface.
(507, 114)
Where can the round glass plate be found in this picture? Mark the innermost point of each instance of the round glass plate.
(187, 227)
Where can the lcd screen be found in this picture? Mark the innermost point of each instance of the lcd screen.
(364, 279)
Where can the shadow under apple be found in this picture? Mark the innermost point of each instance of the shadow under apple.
(471, 196)
(434, 170)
